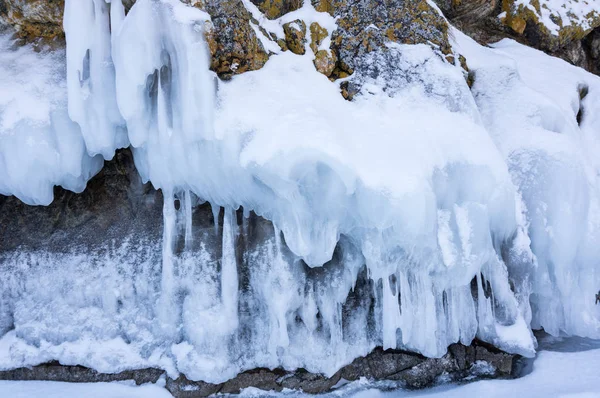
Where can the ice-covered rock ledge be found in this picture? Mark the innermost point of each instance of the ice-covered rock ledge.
(405, 369)
(406, 189)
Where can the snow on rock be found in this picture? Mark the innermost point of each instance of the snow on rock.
(417, 215)
(556, 15)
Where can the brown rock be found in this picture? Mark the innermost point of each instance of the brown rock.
(295, 36)
(277, 8)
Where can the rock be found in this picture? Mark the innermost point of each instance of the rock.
(295, 36)
(325, 62)
(115, 201)
(383, 364)
(325, 59)
(309, 382)
(364, 28)
(263, 379)
(78, 374)
(502, 361)
(467, 11)
(277, 8)
(425, 373)
(34, 19)
(233, 43)
(413, 370)
(184, 388)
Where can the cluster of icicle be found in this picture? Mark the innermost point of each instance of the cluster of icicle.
(395, 221)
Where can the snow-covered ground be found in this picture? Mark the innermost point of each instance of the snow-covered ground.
(35, 389)
(564, 368)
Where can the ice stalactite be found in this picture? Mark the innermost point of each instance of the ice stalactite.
(91, 76)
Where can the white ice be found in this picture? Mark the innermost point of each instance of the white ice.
(40, 147)
(410, 219)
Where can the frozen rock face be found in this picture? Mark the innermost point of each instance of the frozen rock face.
(355, 187)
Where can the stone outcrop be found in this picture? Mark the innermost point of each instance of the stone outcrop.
(277, 8)
(407, 369)
(232, 41)
(34, 19)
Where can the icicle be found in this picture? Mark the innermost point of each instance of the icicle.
(166, 308)
(229, 276)
(187, 205)
(216, 210)
(278, 307)
(117, 15)
(391, 314)
(91, 76)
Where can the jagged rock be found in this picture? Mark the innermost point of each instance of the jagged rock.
(325, 60)
(184, 388)
(380, 364)
(498, 359)
(295, 36)
(309, 382)
(468, 11)
(79, 374)
(232, 41)
(276, 8)
(34, 19)
(364, 27)
(264, 379)
(425, 373)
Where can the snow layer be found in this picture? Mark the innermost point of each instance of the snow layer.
(418, 215)
(32, 389)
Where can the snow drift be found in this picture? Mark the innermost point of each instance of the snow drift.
(408, 218)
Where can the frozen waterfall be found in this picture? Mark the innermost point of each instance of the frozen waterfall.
(434, 215)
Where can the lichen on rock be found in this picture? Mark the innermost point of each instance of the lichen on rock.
(34, 19)
(549, 26)
(277, 8)
(295, 36)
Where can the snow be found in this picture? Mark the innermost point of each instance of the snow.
(30, 389)
(473, 213)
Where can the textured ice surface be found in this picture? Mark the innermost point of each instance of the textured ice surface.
(39, 144)
(540, 112)
(420, 214)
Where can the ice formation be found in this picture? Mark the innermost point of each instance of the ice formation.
(414, 220)
(40, 146)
